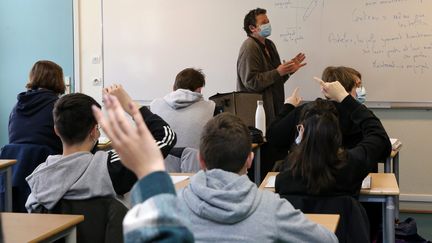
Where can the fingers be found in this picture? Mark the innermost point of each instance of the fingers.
(139, 121)
(295, 92)
(319, 81)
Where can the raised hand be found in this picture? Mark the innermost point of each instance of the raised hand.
(294, 99)
(123, 97)
(134, 144)
(332, 90)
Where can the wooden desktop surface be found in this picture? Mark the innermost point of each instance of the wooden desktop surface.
(382, 184)
(183, 183)
(4, 163)
(24, 227)
(329, 221)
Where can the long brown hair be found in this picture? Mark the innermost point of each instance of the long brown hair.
(318, 156)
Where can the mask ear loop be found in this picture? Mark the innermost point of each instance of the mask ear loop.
(300, 130)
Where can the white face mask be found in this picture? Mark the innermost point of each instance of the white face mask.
(361, 94)
(299, 137)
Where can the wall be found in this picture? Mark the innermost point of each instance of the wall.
(30, 31)
(413, 127)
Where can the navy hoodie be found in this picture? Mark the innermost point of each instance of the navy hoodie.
(31, 120)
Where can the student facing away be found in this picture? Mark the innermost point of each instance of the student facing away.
(30, 121)
(223, 205)
(77, 173)
(185, 108)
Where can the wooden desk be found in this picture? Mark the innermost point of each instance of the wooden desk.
(6, 166)
(183, 183)
(329, 221)
(384, 189)
(23, 227)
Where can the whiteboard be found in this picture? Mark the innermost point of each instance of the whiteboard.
(147, 42)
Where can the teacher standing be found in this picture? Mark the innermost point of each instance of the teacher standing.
(259, 69)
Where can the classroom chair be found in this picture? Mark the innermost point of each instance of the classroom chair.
(28, 157)
(103, 217)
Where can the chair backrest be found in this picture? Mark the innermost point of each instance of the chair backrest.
(353, 224)
(28, 157)
(103, 218)
(184, 160)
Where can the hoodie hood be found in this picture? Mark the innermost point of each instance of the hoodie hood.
(182, 98)
(221, 196)
(32, 101)
(78, 176)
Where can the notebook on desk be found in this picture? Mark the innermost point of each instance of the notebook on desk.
(366, 184)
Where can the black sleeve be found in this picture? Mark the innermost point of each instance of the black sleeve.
(282, 131)
(121, 177)
(375, 145)
(161, 131)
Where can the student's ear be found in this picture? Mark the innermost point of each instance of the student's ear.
(56, 131)
(94, 133)
(201, 162)
(249, 160)
(198, 90)
(252, 28)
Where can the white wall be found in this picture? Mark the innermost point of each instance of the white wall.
(412, 127)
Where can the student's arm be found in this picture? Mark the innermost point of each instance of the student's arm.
(154, 215)
(375, 145)
(122, 178)
(161, 131)
(293, 226)
(282, 131)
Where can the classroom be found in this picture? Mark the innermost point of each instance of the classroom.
(89, 40)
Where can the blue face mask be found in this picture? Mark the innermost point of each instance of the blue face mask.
(361, 94)
(265, 30)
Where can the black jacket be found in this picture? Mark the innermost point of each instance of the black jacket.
(360, 159)
(31, 120)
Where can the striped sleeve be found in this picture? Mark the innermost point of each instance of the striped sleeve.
(161, 131)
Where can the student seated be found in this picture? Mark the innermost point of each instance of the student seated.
(155, 214)
(283, 132)
(223, 205)
(31, 128)
(31, 119)
(185, 108)
(77, 173)
(318, 164)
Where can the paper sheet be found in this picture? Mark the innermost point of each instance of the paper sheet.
(177, 179)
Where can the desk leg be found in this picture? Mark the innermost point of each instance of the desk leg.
(387, 165)
(71, 237)
(389, 220)
(8, 194)
(257, 166)
(396, 172)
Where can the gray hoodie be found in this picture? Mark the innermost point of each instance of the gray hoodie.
(186, 112)
(78, 176)
(225, 207)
